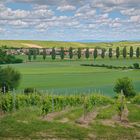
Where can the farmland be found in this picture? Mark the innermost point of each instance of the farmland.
(70, 100)
(68, 76)
(58, 44)
(70, 70)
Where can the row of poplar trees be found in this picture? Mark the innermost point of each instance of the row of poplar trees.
(35, 52)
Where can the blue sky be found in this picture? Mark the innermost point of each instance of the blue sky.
(70, 20)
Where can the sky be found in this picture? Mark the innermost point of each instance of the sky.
(70, 20)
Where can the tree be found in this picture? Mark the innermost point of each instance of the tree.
(137, 52)
(110, 53)
(71, 52)
(53, 54)
(103, 53)
(29, 55)
(131, 52)
(44, 53)
(79, 53)
(117, 52)
(95, 53)
(87, 53)
(125, 84)
(9, 77)
(34, 54)
(124, 52)
(62, 53)
(6, 58)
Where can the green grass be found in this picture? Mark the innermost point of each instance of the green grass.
(134, 113)
(58, 44)
(71, 115)
(69, 77)
(117, 132)
(107, 113)
(20, 125)
(27, 123)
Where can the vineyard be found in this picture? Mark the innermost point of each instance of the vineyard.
(70, 95)
(51, 103)
(49, 116)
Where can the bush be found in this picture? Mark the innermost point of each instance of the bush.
(29, 90)
(136, 65)
(130, 67)
(110, 67)
(125, 84)
(18, 61)
(7, 58)
(9, 78)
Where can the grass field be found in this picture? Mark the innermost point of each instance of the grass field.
(57, 44)
(69, 77)
(28, 123)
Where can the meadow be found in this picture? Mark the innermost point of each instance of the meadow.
(69, 77)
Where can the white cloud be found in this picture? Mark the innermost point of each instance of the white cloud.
(85, 12)
(135, 18)
(80, 15)
(2, 30)
(66, 8)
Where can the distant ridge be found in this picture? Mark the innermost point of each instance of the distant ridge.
(97, 41)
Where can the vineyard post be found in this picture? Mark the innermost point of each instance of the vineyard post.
(122, 102)
(14, 109)
(84, 107)
(52, 104)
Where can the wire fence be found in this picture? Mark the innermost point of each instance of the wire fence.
(72, 91)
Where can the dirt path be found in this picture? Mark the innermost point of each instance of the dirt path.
(116, 120)
(2, 114)
(53, 115)
(86, 120)
(90, 117)
(31, 45)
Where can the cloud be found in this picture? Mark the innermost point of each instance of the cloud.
(66, 8)
(95, 17)
(85, 12)
(135, 18)
(2, 30)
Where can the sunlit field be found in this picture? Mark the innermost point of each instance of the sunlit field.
(68, 76)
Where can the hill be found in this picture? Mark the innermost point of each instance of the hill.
(57, 44)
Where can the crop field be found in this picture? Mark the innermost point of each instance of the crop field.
(69, 77)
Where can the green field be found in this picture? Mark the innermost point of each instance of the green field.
(69, 77)
(58, 44)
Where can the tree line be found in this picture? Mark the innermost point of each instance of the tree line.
(8, 58)
(32, 54)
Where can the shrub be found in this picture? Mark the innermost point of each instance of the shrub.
(125, 84)
(130, 67)
(9, 78)
(18, 61)
(29, 90)
(136, 65)
(110, 67)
